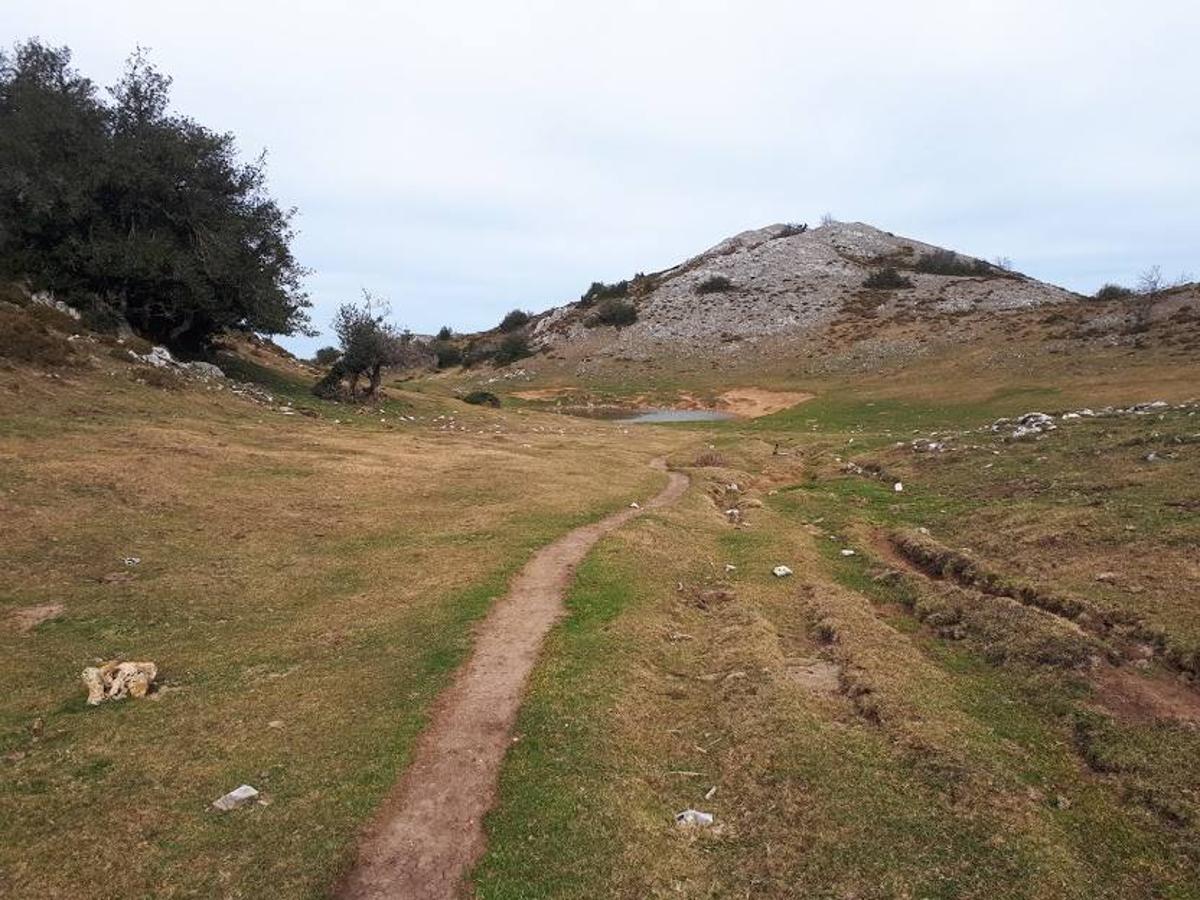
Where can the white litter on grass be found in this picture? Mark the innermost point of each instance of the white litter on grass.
(693, 817)
(898, 487)
(635, 505)
(730, 567)
(781, 571)
(239, 796)
(847, 553)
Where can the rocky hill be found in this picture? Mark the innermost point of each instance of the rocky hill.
(784, 286)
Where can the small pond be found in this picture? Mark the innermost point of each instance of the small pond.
(658, 416)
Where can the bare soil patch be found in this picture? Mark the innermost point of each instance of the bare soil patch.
(752, 403)
(1141, 699)
(28, 618)
(545, 393)
(430, 832)
(820, 676)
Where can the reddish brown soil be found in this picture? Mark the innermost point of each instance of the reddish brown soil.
(1141, 699)
(429, 833)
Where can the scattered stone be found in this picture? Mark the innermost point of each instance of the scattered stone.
(693, 818)
(45, 298)
(781, 571)
(898, 487)
(1030, 425)
(204, 370)
(239, 796)
(1062, 802)
(132, 560)
(635, 505)
(115, 680)
(730, 567)
(848, 552)
(712, 791)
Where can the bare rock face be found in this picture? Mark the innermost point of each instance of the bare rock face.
(776, 285)
(116, 680)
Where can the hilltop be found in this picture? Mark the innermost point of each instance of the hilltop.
(783, 288)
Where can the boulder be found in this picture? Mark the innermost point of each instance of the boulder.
(115, 680)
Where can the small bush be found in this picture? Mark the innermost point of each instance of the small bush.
(791, 229)
(1113, 292)
(447, 355)
(518, 318)
(25, 340)
(715, 284)
(327, 356)
(514, 346)
(445, 333)
(947, 262)
(482, 398)
(709, 459)
(103, 319)
(601, 291)
(886, 279)
(618, 313)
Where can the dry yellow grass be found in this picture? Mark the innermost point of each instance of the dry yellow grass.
(304, 587)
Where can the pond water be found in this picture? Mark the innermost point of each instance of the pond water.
(658, 416)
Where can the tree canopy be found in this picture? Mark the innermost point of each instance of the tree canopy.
(122, 207)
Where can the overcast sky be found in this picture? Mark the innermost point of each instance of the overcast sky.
(462, 159)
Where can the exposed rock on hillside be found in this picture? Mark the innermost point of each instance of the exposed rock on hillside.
(780, 283)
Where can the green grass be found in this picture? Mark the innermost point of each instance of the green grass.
(849, 412)
(547, 833)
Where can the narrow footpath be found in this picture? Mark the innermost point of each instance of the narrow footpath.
(429, 833)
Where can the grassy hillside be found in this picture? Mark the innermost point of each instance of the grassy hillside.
(993, 694)
(305, 583)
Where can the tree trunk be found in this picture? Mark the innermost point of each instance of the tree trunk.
(376, 377)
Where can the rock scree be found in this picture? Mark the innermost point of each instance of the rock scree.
(429, 832)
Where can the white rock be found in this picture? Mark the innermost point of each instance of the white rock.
(693, 817)
(239, 796)
(781, 571)
(159, 357)
(848, 552)
(45, 298)
(898, 487)
(205, 370)
(730, 567)
(635, 505)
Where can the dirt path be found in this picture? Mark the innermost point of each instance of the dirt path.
(429, 833)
